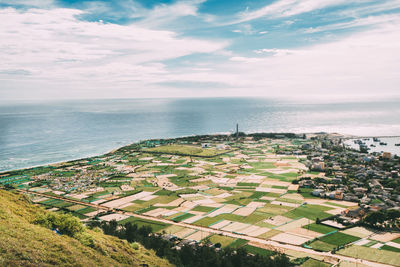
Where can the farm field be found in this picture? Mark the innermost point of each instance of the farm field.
(372, 254)
(315, 263)
(320, 228)
(184, 149)
(339, 239)
(242, 188)
(223, 240)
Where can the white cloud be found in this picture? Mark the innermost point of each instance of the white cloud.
(163, 14)
(360, 22)
(54, 46)
(363, 64)
(286, 8)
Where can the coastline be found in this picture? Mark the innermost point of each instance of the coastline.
(337, 135)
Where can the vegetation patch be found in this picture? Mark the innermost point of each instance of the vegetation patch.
(258, 251)
(203, 209)
(155, 226)
(183, 217)
(372, 254)
(184, 150)
(322, 246)
(223, 240)
(238, 243)
(314, 263)
(390, 248)
(319, 228)
(339, 239)
(311, 212)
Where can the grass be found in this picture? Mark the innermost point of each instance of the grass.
(339, 239)
(315, 263)
(223, 240)
(172, 229)
(146, 209)
(238, 243)
(203, 209)
(397, 240)
(285, 177)
(183, 217)
(372, 254)
(390, 248)
(262, 165)
(86, 210)
(269, 234)
(258, 251)
(207, 221)
(185, 150)
(322, 246)
(371, 243)
(155, 226)
(258, 194)
(271, 209)
(247, 184)
(319, 228)
(311, 212)
(23, 243)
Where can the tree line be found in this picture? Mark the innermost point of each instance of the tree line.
(193, 255)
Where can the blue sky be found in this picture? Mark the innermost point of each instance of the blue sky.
(148, 48)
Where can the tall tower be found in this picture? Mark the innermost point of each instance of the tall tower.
(237, 130)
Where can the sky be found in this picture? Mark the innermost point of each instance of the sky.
(62, 49)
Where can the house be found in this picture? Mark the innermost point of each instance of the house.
(317, 192)
(318, 166)
(356, 213)
(386, 155)
(222, 146)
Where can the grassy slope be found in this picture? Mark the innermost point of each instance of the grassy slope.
(25, 244)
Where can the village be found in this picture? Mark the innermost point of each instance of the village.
(307, 191)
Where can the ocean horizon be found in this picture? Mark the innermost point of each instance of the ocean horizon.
(39, 133)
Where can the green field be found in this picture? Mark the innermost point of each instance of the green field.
(339, 239)
(238, 243)
(86, 210)
(182, 217)
(311, 212)
(203, 209)
(372, 254)
(319, 228)
(258, 251)
(155, 226)
(322, 246)
(223, 240)
(315, 263)
(185, 150)
(172, 229)
(390, 248)
(397, 240)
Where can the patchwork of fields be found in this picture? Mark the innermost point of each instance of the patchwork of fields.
(244, 188)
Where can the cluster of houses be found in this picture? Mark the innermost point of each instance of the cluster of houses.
(350, 175)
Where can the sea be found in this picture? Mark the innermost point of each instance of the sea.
(44, 132)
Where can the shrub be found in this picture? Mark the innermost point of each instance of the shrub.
(66, 224)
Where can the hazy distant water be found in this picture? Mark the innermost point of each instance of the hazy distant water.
(39, 133)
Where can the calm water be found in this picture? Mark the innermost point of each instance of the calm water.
(39, 133)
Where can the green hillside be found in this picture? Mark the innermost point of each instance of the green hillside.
(26, 241)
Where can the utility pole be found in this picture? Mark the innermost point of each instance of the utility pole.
(237, 130)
